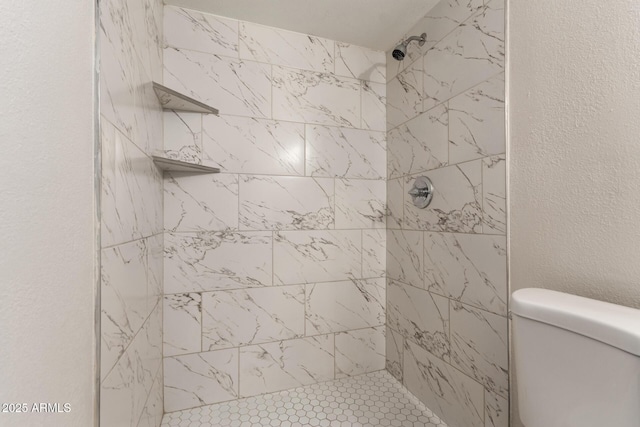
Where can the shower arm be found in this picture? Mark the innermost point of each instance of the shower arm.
(420, 39)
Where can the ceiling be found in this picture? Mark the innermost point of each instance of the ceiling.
(377, 24)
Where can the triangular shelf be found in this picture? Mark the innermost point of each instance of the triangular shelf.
(172, 100)
(174, 165)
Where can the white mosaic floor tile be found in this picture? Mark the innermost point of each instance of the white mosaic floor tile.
(374, 399)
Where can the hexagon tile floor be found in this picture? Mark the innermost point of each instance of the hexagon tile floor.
(375, 399)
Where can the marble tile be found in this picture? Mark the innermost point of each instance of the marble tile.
(420, 144)
(470, 54)
(311, 97)
(468, 268)
(242, 88)
(124, 299)
(209, 261)
(288, 364)
(252, 316)
(476, 122)
(394, 353)
(345, 153)
(374, 106)
(286, 203)
(405, 256)
(148, 117)
(183, 136)
(285, 48)
(250, 145)
(360, 352)
(150, 343)
(342, 306)
(404, 95)
(182, 330)
(316, 256)
(360, 63)
(414, 53)
(154, 408)
(449, 393)
(200, 379)
(494, 198)
(148, 26)
(360, 203)
(155, 279)
(479, 347)
(456, 204)
(195, 202)
(395, 203)
(496, 413)
(189, 29)
(420, 316)
(374, 253)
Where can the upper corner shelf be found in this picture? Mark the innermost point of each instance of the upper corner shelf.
(172, 100)
(174, 165)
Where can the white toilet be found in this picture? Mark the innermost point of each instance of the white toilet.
(577, 360)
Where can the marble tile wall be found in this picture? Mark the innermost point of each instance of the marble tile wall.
(274, 269)
(446, 329)
(131, 213)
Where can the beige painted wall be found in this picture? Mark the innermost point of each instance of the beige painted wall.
(47, 243)
(574, 147)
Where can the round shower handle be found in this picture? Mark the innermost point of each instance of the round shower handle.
(421, 192)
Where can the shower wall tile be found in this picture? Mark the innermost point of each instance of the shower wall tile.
(311, 97)
(154, 409)
(405, 257)
(288, 364)
(360, 63)
(200, 202)
(496, 413)
(200, 379)
(209, 261)
(468, 268)
(182, 324)
(345, 153)
(241, 88)
(374, 106)
(420, 144)
(252, 316)
(394, 344)
(374, 253)
(404, 95)
(360, 203)
(477, 122)
(457, 206)
(286, 48)
(494, 201)
(395, 203)
(420, 316)
(360, 352)
(343, 306)
(286, 203)
(467, 56)
(453, 396)
(188, 29)
(251, 145)
(316, 256)
(183, 136)
(479, 347)
(155, 260)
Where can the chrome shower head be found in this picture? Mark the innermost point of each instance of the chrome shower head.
(400, 51)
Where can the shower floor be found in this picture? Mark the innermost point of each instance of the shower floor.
(375, 399)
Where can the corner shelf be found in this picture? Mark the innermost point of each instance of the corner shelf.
(172, 100)
(174, 165)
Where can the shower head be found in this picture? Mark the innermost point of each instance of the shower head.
(400, 51)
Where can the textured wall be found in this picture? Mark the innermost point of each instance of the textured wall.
(447, 289)
(46, 210)
(274, 268)
(131, 208)
(574, 79)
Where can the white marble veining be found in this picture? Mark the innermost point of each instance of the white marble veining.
(345, 153)
(374, 106)
(420, 144)
(359, 352)
(155, 285)
(252, 316)
(394, 345)
(183, 136)
(312, 97)
(200, 202)
(208, 261)
(154, 409)
(189, 29)
(404, 95)
(251, 145)
(240, 87)
(469, 268)
(496, 413)
(405, 256)
(286, 203)
(374, 253)
(494, 203)
(286, 48)
(360, 203)
(360, 63)
(342, 306)
(271, 367)
(200, 379)
(395, 203)
(182, 330)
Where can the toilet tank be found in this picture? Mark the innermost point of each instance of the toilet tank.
(577, 360)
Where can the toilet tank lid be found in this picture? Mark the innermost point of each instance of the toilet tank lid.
(612, 324)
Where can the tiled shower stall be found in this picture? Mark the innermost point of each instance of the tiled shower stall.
(303, 261)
